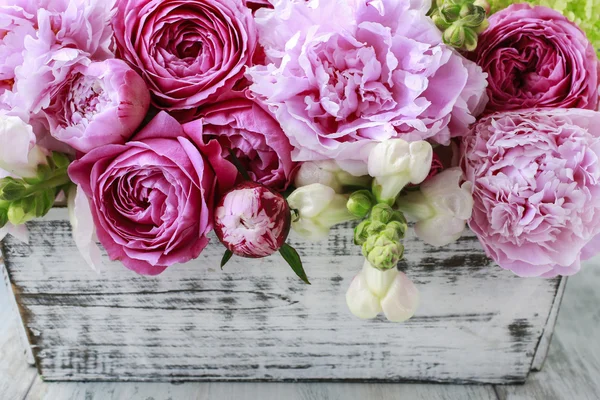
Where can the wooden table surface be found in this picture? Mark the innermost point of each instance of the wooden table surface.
(572, 370)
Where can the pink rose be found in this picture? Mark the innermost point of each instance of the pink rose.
(255, 137)
(100, 104)
(151, 198)
(252, 220)
(345, 74)
(535, 57)
(188, 51)
(536, 188)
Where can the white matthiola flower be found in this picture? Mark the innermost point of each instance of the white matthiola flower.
(318, 208)
(22, 157)
(373, 291)
(84, 230)
(395, 163)
(441, 208)
(328, 173)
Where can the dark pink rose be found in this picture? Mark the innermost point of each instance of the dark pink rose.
(535, 57)
(151, 198)
(252, 220)
(188, 51)
(102, 103)
(254, 136)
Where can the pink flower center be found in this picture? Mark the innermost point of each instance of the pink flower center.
(86, 98)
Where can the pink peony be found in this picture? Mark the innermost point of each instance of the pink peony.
(375, 71)
(151, 198)
(100, 104)
(255, 137)
(67, 33)
(536, 177)
(188, 51)
(252, 221)
(535, 57)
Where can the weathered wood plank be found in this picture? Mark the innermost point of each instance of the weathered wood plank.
(573, 367)
(16, 377)
(257, 321)
(252, 391)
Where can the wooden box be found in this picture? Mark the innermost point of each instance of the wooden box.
(257, 321)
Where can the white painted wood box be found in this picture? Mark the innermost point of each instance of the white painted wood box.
(257, 321)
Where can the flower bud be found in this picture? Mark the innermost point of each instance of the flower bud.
(317, 208)
(373, 291)
(441, 207)
(11, 189)
(384, 250)
(461, 21)
(252, 220)
(395, 163)
(21, 211)
(360, 203)
(328, 173)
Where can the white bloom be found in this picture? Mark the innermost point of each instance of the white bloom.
(373, 291)
(318, 208)
(84, 231)
(395, 163)
(19, 156)
(328, 173)
(441, 208)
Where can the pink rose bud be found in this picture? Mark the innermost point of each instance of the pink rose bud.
(252, 220)
(103, 103)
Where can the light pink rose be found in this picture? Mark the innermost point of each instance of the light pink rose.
(188, 51)
(536, 188)
(255, 137)
(151, 198)
(99, 104)
(252, 220)
(344, 74)
(535, 57)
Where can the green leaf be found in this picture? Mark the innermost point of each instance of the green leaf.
(3, 217)
(226, 257)
(293, 259)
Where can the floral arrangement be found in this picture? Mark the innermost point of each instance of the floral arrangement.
(159, 121)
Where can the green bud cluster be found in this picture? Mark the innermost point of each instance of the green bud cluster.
(461, 21)
(381, 236)
(22, 200)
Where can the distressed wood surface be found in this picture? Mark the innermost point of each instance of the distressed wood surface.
(257, 321)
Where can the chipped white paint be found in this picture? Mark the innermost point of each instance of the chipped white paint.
(257, 321)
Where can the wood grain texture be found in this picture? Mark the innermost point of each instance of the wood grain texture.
(257, 321)
(572, 370)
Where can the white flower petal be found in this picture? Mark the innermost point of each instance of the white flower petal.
(402, 299)
(378, 281)
(361, 302)
(84, 233)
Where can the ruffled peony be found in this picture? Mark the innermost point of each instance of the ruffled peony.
(68, 33)
(535, 57)
(99, 104)
(187, 51)
(536, 177)
(255, 137)
(376, 71)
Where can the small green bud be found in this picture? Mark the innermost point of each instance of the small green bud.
(360, 203)
(60, 160)
(454, 36)
(399, 227)
(361, 232)
(21, 211)
(451, 12)
(440, 22)
(382, 213)
(385, 254)
(12, 189)
(376, 227)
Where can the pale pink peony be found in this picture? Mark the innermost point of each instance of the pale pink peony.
(536, 177)
(252, 220)
(346, 73)
(99, 104)
(255, 137)
(68, 33)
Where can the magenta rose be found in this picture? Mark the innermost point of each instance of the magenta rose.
(252, 220)
(536, 188)
(254, 136)
(535, 57)
(188, 51)
(151, 198)
(100, 104)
